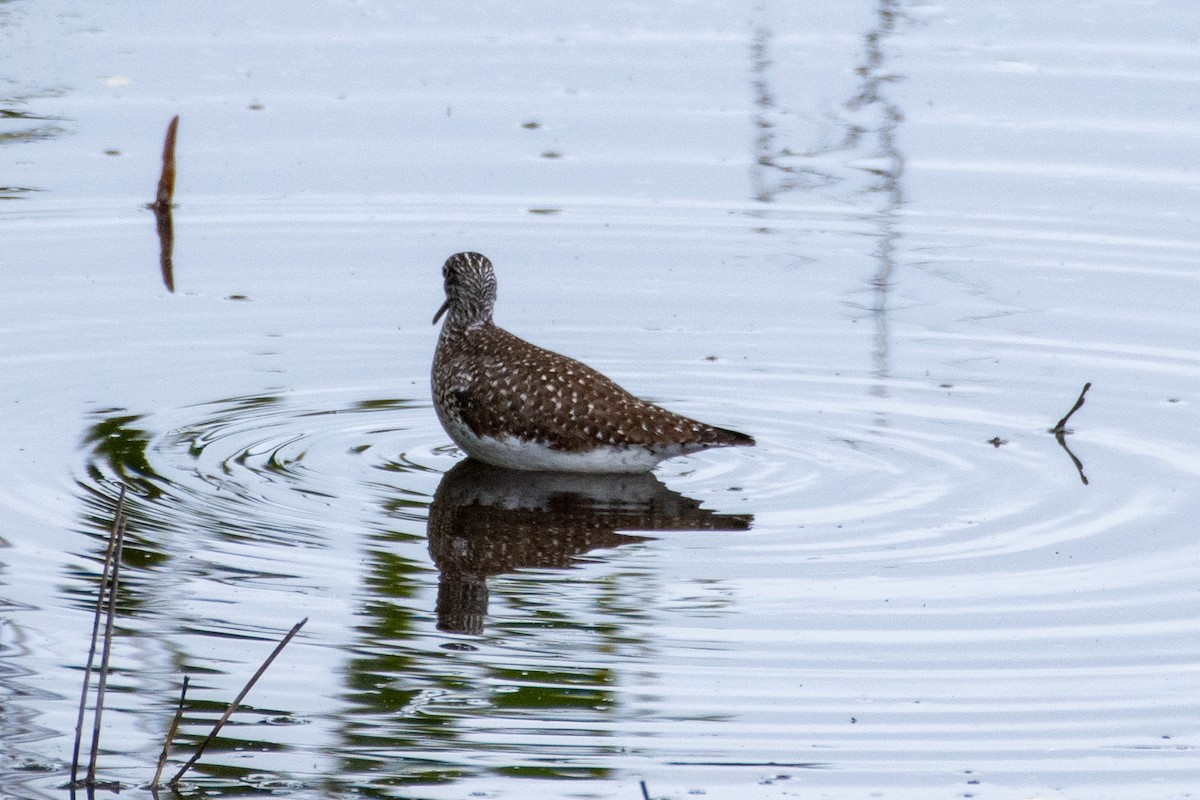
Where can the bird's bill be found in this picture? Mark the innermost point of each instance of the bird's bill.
(441, 311)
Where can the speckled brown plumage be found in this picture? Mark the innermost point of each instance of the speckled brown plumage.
(492, 385)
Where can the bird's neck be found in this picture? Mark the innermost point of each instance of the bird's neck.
(462, 320)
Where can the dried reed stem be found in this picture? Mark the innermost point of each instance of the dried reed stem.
(162, 758)
(237, 701)
(118, 516)
(166, 180)
(102, 682)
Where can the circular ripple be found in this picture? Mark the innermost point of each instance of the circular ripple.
(926, 579)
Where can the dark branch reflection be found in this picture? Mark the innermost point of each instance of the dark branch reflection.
(1060, 437)
(864, 155)
(166, 245)
(886, 174)
(485, 521)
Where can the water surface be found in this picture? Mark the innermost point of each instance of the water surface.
(892, 241)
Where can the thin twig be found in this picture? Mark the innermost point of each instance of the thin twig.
(162, 758)
(237, 701)
(1061, 426)
(102, 681)
(166, 180)
(645, 791)
(87, 672)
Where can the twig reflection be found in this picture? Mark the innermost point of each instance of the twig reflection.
(1060, 437)
(166, 245)
(866, 153)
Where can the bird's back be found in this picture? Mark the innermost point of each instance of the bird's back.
(499, 385)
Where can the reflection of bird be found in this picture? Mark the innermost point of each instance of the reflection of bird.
(485, 520)
(513, 404)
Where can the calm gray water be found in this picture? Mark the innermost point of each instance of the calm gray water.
(891, 240)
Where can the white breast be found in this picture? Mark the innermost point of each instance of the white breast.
(521, 454)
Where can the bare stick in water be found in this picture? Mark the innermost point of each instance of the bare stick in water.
(1060, 433)
(114, 585)
(118, 515)
(162, 208)
(1061, 426)
(162, 758)
(237, 701)
(166, 179)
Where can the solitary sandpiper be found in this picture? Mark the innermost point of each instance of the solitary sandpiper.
(512, 404)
